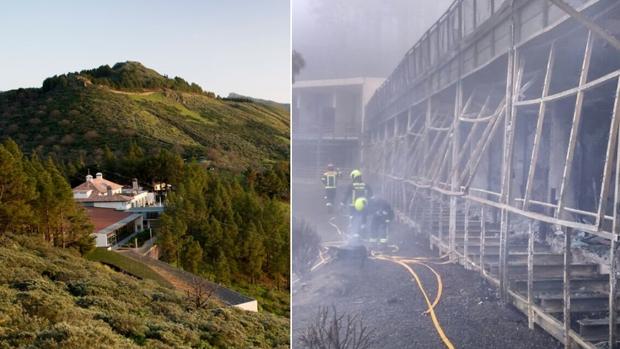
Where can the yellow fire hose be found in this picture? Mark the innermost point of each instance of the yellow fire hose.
(439, 286)
(430, 305)
(423, 261)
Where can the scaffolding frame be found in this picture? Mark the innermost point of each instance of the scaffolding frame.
(441, 169)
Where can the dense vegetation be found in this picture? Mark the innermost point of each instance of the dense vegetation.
(35, 199)
(271, 179)
(227, 215)
(231, 228)
(221, 227)
(52, 298)
(125, 76)
(74, 116)
(236, 96)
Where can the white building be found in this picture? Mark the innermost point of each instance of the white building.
(100, 192)
(116, 212)
(111, 226)
(328, 117)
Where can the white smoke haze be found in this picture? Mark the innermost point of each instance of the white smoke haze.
(544, 171)
(351, 38)
(338, 39)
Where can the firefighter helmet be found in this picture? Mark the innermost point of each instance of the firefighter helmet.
(360, 204)
(355, 174)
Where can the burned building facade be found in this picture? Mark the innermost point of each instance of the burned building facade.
(497, 137)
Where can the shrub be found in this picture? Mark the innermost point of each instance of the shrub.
(126, 324)
(91, 134)
(306, 244)
(331, 330)
(67, 139)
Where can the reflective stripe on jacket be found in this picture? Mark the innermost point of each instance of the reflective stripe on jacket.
(359, 191)
(329, 179)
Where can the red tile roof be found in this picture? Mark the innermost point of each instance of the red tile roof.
(105, 198)
(104, 217)
(97, 184)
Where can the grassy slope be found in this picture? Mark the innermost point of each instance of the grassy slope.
(51, 298)
(76, 120)
(269, 299)
(127, 265)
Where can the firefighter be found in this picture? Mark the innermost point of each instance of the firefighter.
(381, 214)
(357, 189)
(329, 180)
(358, 217)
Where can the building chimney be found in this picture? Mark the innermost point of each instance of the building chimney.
(109, 190)
(134, 184)
(99, 175)
(89, 178)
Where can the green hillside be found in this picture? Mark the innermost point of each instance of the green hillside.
(266, 102)
(52, 298)
(131, 122)
(77, 114)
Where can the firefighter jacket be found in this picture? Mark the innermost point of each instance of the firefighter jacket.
(329, 179)
(357, 190)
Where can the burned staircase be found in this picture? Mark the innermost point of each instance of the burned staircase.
(477, 246)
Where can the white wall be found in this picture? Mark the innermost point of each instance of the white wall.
(122, 206)
(249, 306)
(82, 194)
(101, 240)
(139, 200)
(150, 198)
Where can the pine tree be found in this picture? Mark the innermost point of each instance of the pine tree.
(222, 268)
(171, 166)
(17, 190)
(172, 231)
(80, 233)
(46, 205)
(275, 218)
(109, 160)
(167, 245)
(255, 253)
(192, 256)
(133, 159)
(36, 198)
(65, 207)
(214, 238)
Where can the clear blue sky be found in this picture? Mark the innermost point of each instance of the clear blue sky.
(225, 46)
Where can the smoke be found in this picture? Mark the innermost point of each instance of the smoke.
(343, 39)
(352, 38)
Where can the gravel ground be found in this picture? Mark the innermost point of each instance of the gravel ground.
(389, 301)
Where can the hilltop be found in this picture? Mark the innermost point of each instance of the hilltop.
(53, 298)
(76, 115)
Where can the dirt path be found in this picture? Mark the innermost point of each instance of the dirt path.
(146, 93)
(390, 302)
(175, 281)
(178, 283)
